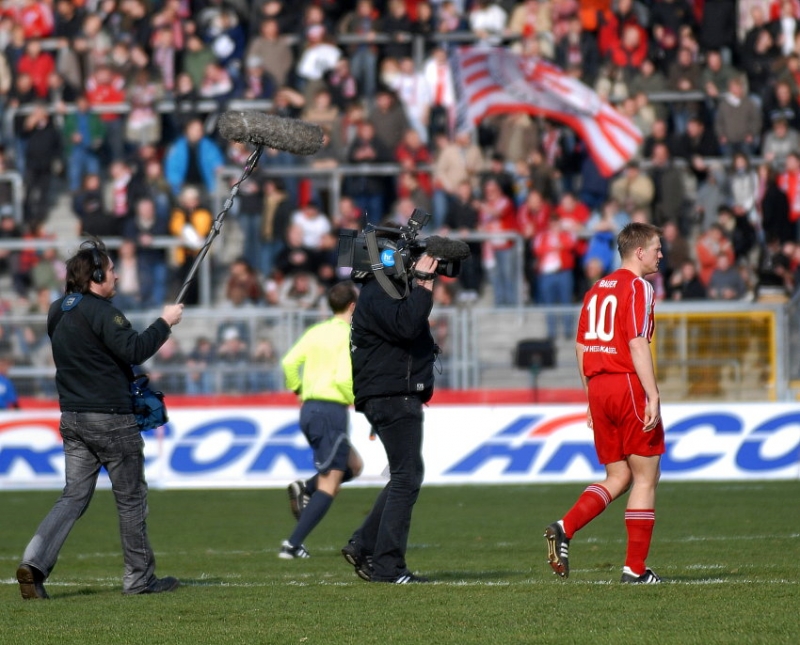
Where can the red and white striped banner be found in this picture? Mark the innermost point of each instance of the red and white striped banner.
(497, 81)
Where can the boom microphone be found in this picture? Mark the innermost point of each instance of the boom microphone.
(291, 135)
(443, 248)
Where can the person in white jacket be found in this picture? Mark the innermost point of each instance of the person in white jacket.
(318, 57)
(487, 20)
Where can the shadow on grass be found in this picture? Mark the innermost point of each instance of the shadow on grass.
(80, 593)
(208, 582)
(500, 576)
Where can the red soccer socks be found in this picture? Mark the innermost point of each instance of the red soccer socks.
(639, 523)
(590, 504)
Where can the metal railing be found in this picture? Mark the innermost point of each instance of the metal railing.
(163, 106)
(478, 346)
(206, 273)
(333, 177)
(67, 246)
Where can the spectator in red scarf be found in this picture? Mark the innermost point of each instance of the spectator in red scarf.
(572, 212)
(411, 154)
(612, 24)
(554, 249)
(789, 183)
(708, 248)
(629, 50)
(533, 216)
(497, 214)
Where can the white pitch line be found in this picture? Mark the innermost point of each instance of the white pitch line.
(696, 538)
(420, 547)
(728, 538)
(105, 582)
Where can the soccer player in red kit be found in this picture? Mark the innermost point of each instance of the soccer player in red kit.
(616, 367)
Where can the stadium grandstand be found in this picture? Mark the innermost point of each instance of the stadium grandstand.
(108, 127)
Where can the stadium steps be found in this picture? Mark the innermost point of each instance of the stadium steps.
(742, 379)
(745, 378)
(499, 334)
(62, 221)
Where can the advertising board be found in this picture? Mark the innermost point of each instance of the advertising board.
(264, 447)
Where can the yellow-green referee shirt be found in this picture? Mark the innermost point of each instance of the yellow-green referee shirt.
(323, 352)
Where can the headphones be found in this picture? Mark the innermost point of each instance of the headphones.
(98, 275)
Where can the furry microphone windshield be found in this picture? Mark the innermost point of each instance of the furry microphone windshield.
(291, 135)
(443, 248)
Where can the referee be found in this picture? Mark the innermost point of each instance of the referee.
(325, 388)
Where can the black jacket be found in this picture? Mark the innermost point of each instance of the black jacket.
(686, 147)
(94, 347)
(44, 145)
(392, 347)
(775, 213)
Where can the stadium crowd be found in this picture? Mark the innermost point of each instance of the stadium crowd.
(84, 85)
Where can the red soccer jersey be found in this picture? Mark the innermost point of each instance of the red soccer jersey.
(36, 19)
(105, 94)
(615, 310)
(789, 183)
(39, 69)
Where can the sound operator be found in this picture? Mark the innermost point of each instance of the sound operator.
(94, 347)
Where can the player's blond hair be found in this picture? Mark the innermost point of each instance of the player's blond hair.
(634, 236)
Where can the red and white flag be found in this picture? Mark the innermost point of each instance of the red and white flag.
(492, 80)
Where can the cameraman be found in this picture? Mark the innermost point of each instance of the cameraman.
(94, 347)
(393, 355)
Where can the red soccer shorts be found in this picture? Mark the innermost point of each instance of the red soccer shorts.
(617, 403)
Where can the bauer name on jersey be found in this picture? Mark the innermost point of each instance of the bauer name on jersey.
(615, 310)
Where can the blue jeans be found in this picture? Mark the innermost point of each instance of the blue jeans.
(441, 204)
(556, 288)
(251, 229)
(364, 68)
(263, 379)
(267, 254)
(397, 420)
(153, 282)
(202, 383)
(729, 149)
(372, 205)
(92, 440)
(115, 138)
(82, 162)
(20, 150)
(505, 278)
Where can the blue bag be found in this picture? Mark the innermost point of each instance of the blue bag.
(148, 404)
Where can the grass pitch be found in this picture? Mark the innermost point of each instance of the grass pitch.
(729, 554)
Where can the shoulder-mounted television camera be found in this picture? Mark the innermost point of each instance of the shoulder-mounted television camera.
(391, 252)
